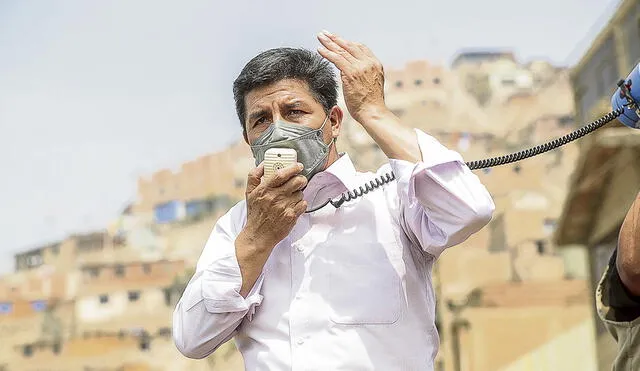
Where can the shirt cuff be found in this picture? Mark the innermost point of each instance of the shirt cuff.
(221, 283)
(433, 154)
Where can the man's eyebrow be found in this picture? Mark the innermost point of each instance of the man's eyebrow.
(295, 103)
(257, 114)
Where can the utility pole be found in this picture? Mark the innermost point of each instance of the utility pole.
(473, 299)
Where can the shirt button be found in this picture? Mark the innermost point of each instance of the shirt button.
(300, 248)
(300, 341)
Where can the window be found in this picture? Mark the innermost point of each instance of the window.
(92, 272)
(239, 183)
(486, 170)
(104, 299)
(517, 169)
(565, 121)
(56, 347)
(418, 82)
(6, 308)
(146, 268)
(55, 249)
(508, 82)
(134, 295)
(144, 344)
(549, 226)
(119, 270)
(27, 351)
(34, 260)
(90, 242)
(541, 244)
(39, 305)
(398, 84)
(436, 81)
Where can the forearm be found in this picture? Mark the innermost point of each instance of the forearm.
(628, 255)
(251, 258)
(395, 140)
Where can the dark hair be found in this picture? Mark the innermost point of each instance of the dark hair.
(278, 64)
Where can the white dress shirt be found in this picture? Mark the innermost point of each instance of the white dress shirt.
(349, 288)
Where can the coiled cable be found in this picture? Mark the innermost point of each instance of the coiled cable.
(545, 147)
(485, 163)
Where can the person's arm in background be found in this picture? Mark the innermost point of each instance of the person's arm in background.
(618, 294)
(628, 255)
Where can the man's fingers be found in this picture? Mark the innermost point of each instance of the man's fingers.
(366, 51)
(331, 45)
(283, 175)
(300, 207)
(352, 48)
(254, 177)
(335, 58)
(295, 184)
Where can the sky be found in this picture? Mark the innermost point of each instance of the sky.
(95, 94)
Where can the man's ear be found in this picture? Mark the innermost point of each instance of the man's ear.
(335, 117)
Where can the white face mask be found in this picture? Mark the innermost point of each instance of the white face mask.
(308, 143)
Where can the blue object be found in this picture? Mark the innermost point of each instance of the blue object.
(6, 308)
(169, 212)
(630, 87)
(39, 305)
(195, 208)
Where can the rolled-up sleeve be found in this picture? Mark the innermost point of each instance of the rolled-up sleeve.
(211, 307)
(443, 203)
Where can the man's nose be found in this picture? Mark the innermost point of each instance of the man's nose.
(276, 112)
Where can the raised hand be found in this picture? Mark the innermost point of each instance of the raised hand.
(361, 73)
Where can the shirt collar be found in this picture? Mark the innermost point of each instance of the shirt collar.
(342, 170)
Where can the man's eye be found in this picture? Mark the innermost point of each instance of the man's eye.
(296, 112)
(261, 120)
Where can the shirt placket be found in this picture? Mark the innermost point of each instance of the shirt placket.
(302, 312)
(298, 311)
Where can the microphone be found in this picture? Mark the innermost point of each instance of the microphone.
(627, 97)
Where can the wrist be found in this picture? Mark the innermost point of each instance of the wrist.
(248, 244)
(371, 115)
(251, 259)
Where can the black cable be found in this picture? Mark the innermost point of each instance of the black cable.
(362, 190)
(545, 147)
(485, 163)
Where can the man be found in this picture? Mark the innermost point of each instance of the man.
(335, 289)
(618, 294)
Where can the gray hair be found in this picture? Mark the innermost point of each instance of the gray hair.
(278, 64)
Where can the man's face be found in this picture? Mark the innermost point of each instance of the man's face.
(290, 101)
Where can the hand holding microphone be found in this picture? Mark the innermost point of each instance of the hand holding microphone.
(274, 202)
(627, 96)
